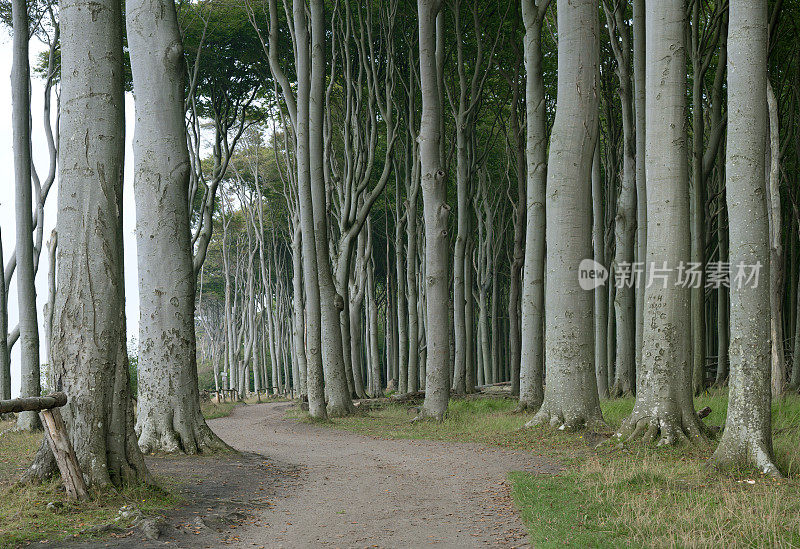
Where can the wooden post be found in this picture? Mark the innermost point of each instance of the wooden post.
(56, 433)
(57, 438)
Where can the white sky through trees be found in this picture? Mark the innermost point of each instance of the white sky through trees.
(40, 157)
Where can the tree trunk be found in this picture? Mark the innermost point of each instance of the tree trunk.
(601, 292)
(570, 399)
(331, 304)
(412, 233)
(747, 439)
(5, 356)
(315, 379)
(723, 310)
(436, 211)
(169, 417)
(30, 383)
(625, 219)
(531, 391)
(639, 70)
(298, 324)
(93, 371)
(698, 209)
(776, 258)
(664, 410)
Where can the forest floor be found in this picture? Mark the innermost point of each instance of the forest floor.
(361, 491)
(613, 496)
(378, 480)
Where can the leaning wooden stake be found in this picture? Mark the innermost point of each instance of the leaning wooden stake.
(56, 432)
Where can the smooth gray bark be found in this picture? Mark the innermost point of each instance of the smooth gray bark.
(93, 371)
(531, 378)
(331, 304)
(30, 383)
(570, 398)
(436, 212)
(169, 417)
(776, 260)
(625, 219)
(5, 356)
(664, 410)
(315, 380)
(747, 439)
(601, 292)
(639, 70)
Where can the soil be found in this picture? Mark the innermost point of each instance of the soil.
(302, 485)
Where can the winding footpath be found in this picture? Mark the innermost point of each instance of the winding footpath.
(358, 491)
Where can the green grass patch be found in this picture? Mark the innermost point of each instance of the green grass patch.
(214, 410)
(612, 496)
(25, 515)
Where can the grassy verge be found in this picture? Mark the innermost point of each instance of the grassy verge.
(31, 513)
(213, 410)
(639, 495)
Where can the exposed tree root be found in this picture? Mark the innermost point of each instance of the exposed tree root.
(664, 429)
(567, 421)
(180, 438)
(425, 414)
(528, 406)
(43, 468)
(731, 456)
(340, 409)
(620, 390)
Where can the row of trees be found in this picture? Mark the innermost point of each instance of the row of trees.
(505, 271)
(280, 151)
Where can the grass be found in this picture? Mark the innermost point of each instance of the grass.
(213, 410)
(636, 496)
(24, 512)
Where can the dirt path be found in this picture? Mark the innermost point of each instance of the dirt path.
(299, 485)
(356, 491)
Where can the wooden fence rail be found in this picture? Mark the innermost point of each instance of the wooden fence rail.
(57, 437)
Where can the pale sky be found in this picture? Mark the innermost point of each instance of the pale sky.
(41, 159)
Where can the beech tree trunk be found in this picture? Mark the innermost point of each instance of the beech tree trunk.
(30, 384)
(570, 398)
(93, 371)
(601, 292)
(639, 70)
(747, 439)
(331, 304)
(5, 356)
(169, 417)
(531, 377)
(625, 219)
(436, 212)
(664, 410)
(315, 379)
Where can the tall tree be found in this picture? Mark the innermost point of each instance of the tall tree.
(169, 417)
(664, 410)
(331, 304)
(625, 219)
(531, 377)
(436, 213)
(26, 288)
(297, 106)
(747, 439)
(88, 350)
(570, 399)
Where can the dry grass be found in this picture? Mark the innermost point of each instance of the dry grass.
(24, 512)
(214, 410)
(634, 496)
